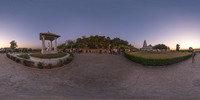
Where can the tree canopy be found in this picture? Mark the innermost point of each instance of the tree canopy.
(94, 42)
(13, 44)
(160, 46)
(177, 47)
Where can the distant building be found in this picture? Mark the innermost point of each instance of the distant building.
(145, 47)
(7, 49)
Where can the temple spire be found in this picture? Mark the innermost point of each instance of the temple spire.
(145, 43)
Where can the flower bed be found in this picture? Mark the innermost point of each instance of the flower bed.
(48, 56)
(25, 56)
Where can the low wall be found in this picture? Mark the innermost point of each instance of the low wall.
(28, 61)
(35, 60)
(52, 61)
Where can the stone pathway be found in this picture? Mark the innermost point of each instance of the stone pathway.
(98, 77)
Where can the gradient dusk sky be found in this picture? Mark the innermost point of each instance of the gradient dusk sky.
(167, 22)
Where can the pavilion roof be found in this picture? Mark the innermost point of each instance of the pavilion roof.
(49, 36)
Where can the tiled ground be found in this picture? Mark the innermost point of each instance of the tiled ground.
(95, 76)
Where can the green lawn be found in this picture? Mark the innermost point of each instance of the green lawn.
(157, 58)
(163, 54)
(25, 56)
(48, 56)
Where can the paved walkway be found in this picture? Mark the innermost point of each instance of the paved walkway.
(98, 77)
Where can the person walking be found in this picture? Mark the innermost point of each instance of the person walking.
(110, 51)
(193, 55)
(119, 51)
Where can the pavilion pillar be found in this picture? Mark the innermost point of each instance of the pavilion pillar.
(55, 46)
(43, 44)
(51, 46)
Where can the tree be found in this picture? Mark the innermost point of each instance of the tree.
(160, 46)
(94, 42)
(108, 40)
(177, 47)
(30, 49)
(13, 44)
(190, 48)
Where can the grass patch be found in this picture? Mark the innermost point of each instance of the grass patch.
(25, 56)
(162, 54)
(152, 58)
(48, 56)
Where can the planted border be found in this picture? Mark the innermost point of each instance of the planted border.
(40, 65)
(20, 60)
(48, 56)
(156, 61)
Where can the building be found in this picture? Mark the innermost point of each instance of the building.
(51, 37)
(6, 49)
(145, 47)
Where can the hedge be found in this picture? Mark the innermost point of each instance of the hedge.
(25, 56)
(156, 61)
(26, 62)
(48, 56)
(23, 61)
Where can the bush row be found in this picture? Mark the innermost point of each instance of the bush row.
(13, 58)
(40, 65)
(60, 63)
(156, 61)
(23, 61)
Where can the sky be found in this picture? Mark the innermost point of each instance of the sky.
(168, 22)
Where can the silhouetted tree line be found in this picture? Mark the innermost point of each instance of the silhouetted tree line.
(94, 42)
(161, 47)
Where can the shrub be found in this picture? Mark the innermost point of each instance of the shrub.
(60, 63)
(156, 61)
(71, 54)
(49, 66)
(17, 60)
(7, 55)
(11, 57)
(67, 60)
(14, 58)
(40, 65)
(24, 62)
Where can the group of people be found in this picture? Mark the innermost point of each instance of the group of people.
(74, 50)
(116, 51)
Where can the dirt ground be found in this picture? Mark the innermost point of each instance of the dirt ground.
(100, 77)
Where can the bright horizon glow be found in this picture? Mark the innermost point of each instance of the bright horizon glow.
(156, 21)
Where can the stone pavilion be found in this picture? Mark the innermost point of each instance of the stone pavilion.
(51, 37)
